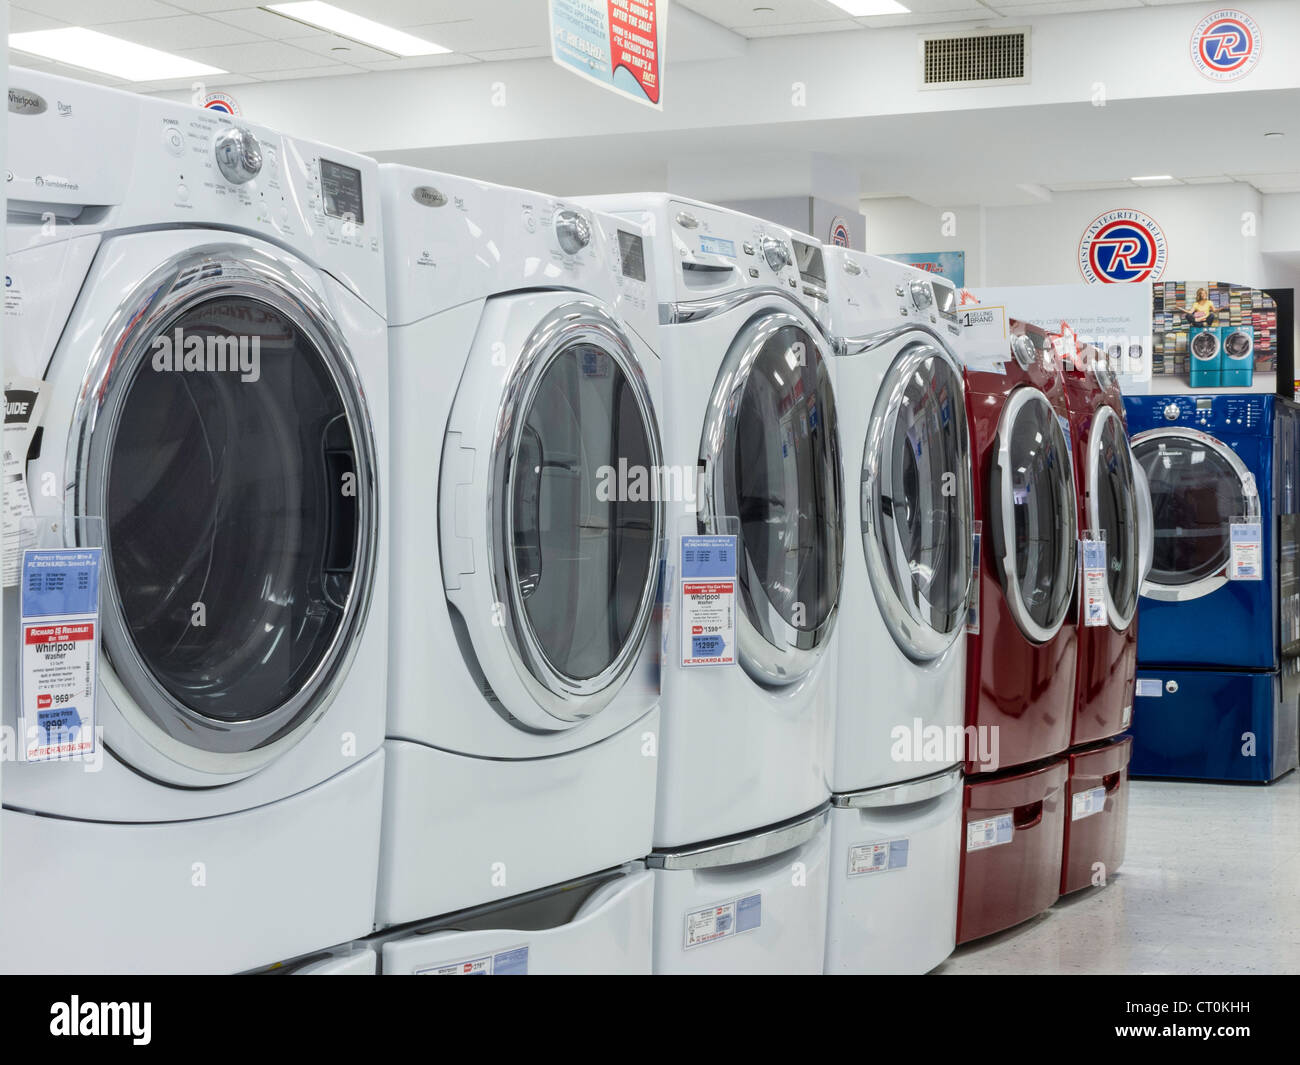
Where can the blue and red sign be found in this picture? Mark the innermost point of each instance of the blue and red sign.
(1122, 247)
(1226, 45)
(220, 101)
(840, 233)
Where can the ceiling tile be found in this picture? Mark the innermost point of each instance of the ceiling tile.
(176, 34)
(226, 81)
(324, 44)
(480, 34)
(790, 29)
(23, 21)
(507, 54)
(256, 57)
(205, 6)
(97, 12)
(341, 70)
(265, 24)
(450, 59)
(1059, 7)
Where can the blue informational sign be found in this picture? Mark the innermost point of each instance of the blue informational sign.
(61, 582)
(949, 264)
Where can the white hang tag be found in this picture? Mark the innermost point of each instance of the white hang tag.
(1094, 582)
(1246, 561)
(59, 652)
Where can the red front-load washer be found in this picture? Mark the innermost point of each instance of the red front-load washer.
(1096, 814)
(1011, 848)
(1021, 656)
(1109, 507)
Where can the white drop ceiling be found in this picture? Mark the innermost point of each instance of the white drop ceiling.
(255, 45)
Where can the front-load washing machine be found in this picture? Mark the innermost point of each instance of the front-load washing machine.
(1218, 686)
(201, 304)
(896, 777)
(1238, 362)
(748, 681)
(1205, 356)
(1021, 662)
(522, 720)
(599, 924)
(1113, 507)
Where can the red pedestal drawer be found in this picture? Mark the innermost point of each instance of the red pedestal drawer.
(1011, 848)
(1096, 813)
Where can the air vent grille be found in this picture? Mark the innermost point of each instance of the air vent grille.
(975, 60)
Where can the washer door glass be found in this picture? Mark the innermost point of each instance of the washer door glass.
(1113, 509)
(771, 446)
(916, 502)
(231, 529)
(584, 513)
(1034, 514)
(1205, 346)
(1196, 490)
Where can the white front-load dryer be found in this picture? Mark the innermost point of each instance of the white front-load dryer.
(522, 726)
(896, 811)
(201, 304)
(752, 452)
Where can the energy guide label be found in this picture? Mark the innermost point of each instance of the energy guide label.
(1094, 582)
(713, 923)
(708, 614)
(878, 857)
(991, 832)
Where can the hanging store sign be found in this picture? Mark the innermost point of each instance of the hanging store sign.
(618, 44)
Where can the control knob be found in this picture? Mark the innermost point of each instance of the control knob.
(1171, 412)
(572, 230)
(776, 253)
(239, 156)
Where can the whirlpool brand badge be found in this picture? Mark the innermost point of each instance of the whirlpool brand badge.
(25, 102)
(428, 196)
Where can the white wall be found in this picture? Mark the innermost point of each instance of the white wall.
(1208, 229)
(897, 224)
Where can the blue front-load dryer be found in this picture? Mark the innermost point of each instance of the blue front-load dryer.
(1230, 647)
(1205, 356)
(1238, 360)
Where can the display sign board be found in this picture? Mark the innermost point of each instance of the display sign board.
(618, 44)
(1115, 319)
(949, 264)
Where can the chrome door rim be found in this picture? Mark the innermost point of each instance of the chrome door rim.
(771, 650)
(198, 276)
(562, 696)
(913, 633)
(1249, 490)
(1019, 399)
(1104, 414)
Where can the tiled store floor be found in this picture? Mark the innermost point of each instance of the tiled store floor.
(1210, 884)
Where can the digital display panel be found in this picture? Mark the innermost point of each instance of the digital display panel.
(340, 188)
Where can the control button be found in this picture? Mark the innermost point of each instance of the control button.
(898, 291)
(173, 140)
(182, 193)
(748, 248)
(753, 271)
(687, 220)
(530, 223)
(794, 283)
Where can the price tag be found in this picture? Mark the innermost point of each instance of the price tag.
(708, 615)
(59, 652)
(1094, 582)
(1246, 560)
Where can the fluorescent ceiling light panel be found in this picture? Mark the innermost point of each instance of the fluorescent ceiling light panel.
(1154, 177)
(91, 50)
(866, 8)
(355, 28)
